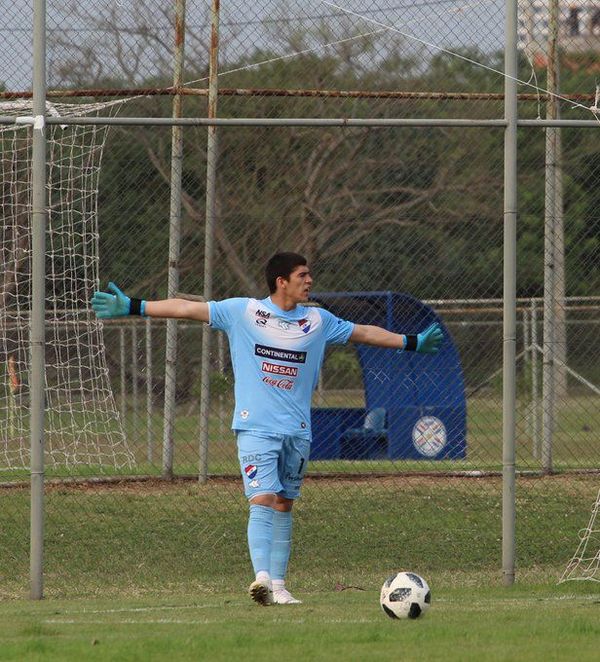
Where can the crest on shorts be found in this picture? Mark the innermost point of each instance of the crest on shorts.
(251, 471)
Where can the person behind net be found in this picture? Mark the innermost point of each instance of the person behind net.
(277, 347)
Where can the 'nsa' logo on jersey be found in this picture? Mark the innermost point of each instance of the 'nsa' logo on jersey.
(261, 317)
(304, 324)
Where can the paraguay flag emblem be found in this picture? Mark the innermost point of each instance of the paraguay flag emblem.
(304, 324)
(250, 471)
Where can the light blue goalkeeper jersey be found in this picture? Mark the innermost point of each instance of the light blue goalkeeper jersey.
(276, 357)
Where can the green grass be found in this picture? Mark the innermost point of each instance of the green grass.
(155, 571)
(534, 623)
(165, 538)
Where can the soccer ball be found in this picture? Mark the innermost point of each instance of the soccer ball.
(405, 595)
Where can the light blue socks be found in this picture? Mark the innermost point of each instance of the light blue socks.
(260, 537)
(282, 543)
(269, 540)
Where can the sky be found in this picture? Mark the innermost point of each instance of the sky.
(405, 23)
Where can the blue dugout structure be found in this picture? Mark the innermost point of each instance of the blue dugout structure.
(423, 395)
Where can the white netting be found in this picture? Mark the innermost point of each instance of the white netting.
(585, 563)
(82, 423)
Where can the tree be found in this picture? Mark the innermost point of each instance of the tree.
(428, 200)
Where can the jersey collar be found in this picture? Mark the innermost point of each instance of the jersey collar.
(297, 313)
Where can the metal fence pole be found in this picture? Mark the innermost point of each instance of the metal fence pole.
(149, 440)
(510, 298)
(550, 247)
(38, 303)
(305, 121)
(526, 343)
(535, 404)
(558, 294)
(174, 242)
(134, 378)
(554, 215)
(211, 204)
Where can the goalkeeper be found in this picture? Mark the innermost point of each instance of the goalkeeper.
(277, 347)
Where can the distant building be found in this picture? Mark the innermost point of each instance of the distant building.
(578, 27)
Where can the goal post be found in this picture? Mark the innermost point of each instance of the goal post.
(585, 563)
(82, 425)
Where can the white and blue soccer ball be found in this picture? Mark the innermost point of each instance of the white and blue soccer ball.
(405, 595)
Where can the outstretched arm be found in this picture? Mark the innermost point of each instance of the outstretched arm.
(426, 342)
(118, 304)
(367, 334)
(178, 308)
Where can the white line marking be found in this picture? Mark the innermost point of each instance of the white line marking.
(147, 609)
(204, 621)
(131, 621)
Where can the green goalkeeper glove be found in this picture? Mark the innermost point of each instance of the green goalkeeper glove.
(107, 306)
(426, 342)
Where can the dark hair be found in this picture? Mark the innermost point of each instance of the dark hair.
(282, 264)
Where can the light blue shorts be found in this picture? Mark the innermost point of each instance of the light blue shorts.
(272, 463)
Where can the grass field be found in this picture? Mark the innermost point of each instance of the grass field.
(533, 623)
(167, 538)
(156, 570)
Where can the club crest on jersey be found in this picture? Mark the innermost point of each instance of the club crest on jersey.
(251, 471)
(304, 324)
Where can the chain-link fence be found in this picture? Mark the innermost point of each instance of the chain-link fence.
(400, 223)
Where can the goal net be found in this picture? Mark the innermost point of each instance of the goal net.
(82, 423)
(585, 563)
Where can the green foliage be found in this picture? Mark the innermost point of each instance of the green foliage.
(457, 72)
(383, 191)
(342, 370)
(220, 384)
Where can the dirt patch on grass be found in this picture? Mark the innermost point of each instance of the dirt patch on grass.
(573, 483)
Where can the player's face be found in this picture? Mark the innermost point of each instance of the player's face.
(299, 284)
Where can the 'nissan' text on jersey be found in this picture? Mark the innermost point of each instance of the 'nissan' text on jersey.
(276, 357)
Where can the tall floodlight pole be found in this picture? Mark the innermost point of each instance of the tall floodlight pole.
(38, 302)
(510, 297)
(174, 242)
(211, 214)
